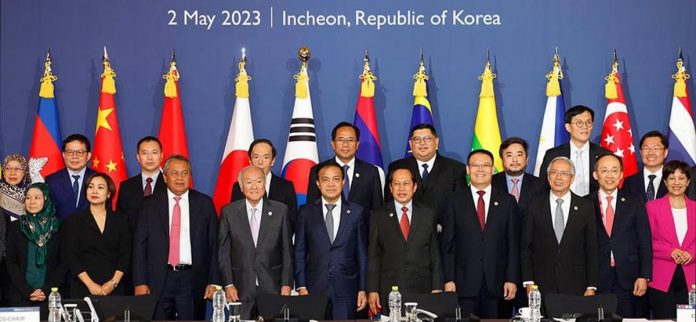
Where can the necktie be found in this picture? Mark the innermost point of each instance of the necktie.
(580, 175)
(346, 181)
(254, 225)
(481, 209)
(76, 189)
(148, 187)
(559, 224)
(330, 221)
(174, 233)
(425, 172)
(609, 223)
(516, 189)
(404, 223)
(650, 192)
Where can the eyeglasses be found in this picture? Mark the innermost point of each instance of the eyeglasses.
(73, 153)
(419, 139)
(615, 172)
(581, 124)
(562, 174)
(652, 148)
(342, 141)
(481, 166)
(8, 169)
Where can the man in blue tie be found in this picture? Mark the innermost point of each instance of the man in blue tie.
(66, 185)
(647, 184)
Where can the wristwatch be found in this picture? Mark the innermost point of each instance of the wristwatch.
(114, 283)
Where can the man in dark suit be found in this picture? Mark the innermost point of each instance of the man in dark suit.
(67, 190)
(559, 237)
(623, 237)
(254, 244)
(480, 242)
(332, 233)
(647, 184)
(436, 176)
(174, 252)
(522, 185)
(262, 154)
(150, 180)
(403, 248)
(578, 122)
(363, 184)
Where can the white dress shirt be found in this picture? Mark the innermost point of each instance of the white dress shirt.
(268, 183)
(486, 199)
(680, 223)
(143, 178)
(335, 213)
(80, 180)
(656, 181)
(430, 164)
(185, 233)
(399, 212)
(351, 170)
(565, 206)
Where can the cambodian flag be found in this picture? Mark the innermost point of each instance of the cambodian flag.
(46, 141)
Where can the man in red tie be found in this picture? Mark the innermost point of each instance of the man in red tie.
(480, 242)
(623, 238)
(175, 246)
(403, 248)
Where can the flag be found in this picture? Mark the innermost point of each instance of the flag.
(107, 155)
(46, 142)
(682, 133)
(301, 150)
(553, 132)
(422, 112)
(617, 136)
(370, 148)
(486, 129)
(172, 132)
(239, 137)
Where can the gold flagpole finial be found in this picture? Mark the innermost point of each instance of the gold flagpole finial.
(303, 55)
(46, 89)
(680, 77)
(367, 84)
(173, 60)
(488, 57)
(419, 86)
(243, 59)
(366, 60)
(105, 56)
(615, 63)
(48, 55)
(553, 86)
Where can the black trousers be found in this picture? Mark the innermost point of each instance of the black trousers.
(484, 305)
(629, 305)
(663, 304)
(178, 301)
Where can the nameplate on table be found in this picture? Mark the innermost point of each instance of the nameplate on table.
(686, 313)
(19, 314)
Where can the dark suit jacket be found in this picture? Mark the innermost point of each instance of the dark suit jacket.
(151, 244)
(365, 187)
(691, 192)
(62, 194)
(531, 187)
(563, 150)
(322, 266)
(19, 290)
(569, 267)
(630, 241)
(446, 176)
(415, 264)
(282, 191)
(131, 195)
(635, 185)
(271, 260)
(471, 255)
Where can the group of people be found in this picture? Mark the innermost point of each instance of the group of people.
(437, 225)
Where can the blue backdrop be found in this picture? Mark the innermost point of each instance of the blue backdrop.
(647, 35)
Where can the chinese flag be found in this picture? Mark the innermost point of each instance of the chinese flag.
(172, 133)
(107, 156)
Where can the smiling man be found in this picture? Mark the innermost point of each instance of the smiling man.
(647, 184)
(67, 190)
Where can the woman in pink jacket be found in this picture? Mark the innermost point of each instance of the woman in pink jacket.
(673, 224)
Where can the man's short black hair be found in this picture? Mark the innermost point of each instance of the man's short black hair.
(257, 141)
(322, 166)
(577, 110)
(77, 137)
(401, 167)
(513, 140)
(345, 124)
(608, 155)
(423, 126)
(655, 134)
(479, 151)
(148, 139)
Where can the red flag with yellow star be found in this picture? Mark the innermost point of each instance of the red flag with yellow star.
(107, 155)
(172, 132)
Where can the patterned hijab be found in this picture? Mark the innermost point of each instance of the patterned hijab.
(40, 227)
(12, 196)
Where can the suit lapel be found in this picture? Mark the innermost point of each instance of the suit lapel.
(547, 214)
(492, 208)
(393, 219)
(274, 193)
(573, 216)
(470, 202)
(266, 219)
(163, 209)
(242, 221)
(355, 181)
(343, 224)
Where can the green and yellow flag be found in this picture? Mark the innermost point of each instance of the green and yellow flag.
(486, 129)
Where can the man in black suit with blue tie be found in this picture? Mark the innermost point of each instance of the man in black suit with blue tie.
(67, 189)
(647, 184)
(331, 233)
(480, 242)
(362, 185)
(623, 237)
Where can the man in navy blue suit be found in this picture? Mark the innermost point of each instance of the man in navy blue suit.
(67, 188)
(647, 184)
(331, 247)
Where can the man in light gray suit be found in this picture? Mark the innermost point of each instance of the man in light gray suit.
(255, 248)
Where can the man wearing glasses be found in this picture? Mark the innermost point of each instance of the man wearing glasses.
(647, 184)
(559, 237)
(578, 122)
(67, 189)
(436, 176)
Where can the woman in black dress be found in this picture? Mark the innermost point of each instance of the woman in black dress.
(97, 242)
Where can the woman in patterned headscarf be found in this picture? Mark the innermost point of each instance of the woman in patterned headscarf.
(33, 255)
(13, 184)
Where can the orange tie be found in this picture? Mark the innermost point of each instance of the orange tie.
(404, 223)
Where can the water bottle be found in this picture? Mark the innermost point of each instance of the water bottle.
(218, 305)
(692, 296)
(54, 305)
(535, 304)
(394, 305)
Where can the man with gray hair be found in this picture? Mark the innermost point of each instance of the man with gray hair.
(254, 244)
(559, 237)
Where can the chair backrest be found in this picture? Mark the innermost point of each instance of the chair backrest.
(141, 308)
(442, 304)
(558, 304)
(310, 307)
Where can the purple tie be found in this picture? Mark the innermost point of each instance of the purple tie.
(254, 224)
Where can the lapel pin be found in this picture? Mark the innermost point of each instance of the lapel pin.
(357, 175)
(575, 207)
(391, 214)
(270, 213)
(495, 203)
(348, 211)
(623, 199)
